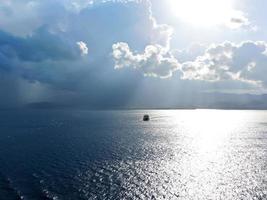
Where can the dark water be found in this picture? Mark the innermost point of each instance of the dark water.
(197, 154)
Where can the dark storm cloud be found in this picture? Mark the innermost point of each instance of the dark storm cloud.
(40, 46)
(50, 57)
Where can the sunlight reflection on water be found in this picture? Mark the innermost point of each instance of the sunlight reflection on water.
(179, 154)
(216, 162)
(200, 159)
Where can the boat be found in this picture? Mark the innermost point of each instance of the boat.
(146, 118)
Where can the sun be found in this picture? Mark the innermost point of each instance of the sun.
(203, 12)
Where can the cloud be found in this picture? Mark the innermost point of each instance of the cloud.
(19, 17)
(238, 20)
(196, 63)
(22, 17)
(78, 5)
(83, 47)
(190, 53)
(154, 62)
(40, 51)
(49, 56)
(41, 45)
(161, 34)
(245, 62)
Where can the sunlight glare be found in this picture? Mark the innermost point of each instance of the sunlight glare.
(203, 12)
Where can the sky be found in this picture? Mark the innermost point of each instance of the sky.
(103, 54)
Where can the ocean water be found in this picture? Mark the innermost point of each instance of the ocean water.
(179, 154)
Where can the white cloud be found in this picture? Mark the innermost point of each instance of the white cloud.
(83, 47)
(213, 65)
(190, 53)
(161, 34)
(244, 62)
(155, 61)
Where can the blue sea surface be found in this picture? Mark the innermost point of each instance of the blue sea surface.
(179, 154)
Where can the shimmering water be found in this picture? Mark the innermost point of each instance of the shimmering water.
(182, 154)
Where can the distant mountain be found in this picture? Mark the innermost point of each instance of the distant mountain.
(232, 101)
(47, 105)
(201, 100)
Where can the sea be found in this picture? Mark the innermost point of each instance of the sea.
(178, 154)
